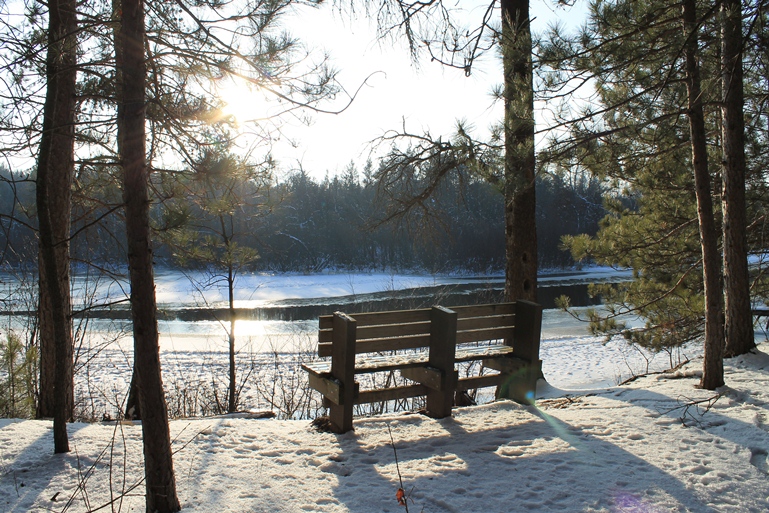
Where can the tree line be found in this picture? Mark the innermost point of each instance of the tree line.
(293, 222)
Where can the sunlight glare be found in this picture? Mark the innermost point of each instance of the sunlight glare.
(241, 100)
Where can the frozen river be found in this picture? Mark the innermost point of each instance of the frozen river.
(276, 310)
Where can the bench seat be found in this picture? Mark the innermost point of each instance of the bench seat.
(383, 363)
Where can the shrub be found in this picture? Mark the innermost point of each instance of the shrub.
(18, 364)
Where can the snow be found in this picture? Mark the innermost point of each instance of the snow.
(656, 444)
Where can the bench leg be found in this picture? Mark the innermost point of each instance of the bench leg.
(340, 415)
(521, 385)
(443, 342)
(440, 402)
(343, 370)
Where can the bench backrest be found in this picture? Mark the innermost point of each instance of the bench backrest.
(410, 329)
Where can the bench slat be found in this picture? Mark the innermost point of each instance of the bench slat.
(374, 318)
(463, 312)
(381, 345)
(391, 394)
(318, 368)
(467, 354)
(494, 332)
(393, 330)
(421, 314)
(382, 331)
(494, 321)
(469, 383)
(464, 337)
(398, 323)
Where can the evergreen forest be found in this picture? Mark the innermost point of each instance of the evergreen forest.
(291, 222)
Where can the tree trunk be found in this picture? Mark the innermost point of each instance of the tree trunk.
(232, 405)
(713, 366)
(54, 179)
(160, 481)
(739, 320)
(520, 211)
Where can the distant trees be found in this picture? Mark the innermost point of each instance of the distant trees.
(299, 223)
(18, 238)
(338, 223)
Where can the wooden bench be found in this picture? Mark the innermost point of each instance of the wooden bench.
(425, 345)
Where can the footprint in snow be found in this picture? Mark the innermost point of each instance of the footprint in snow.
(758, 458)
(335, 468)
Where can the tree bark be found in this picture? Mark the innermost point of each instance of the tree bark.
(713, 366)
(520, 204)
(739, 320)
(53, 195)
(160, 481)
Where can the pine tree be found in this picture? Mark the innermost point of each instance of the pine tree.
(55, 170)
(635, 134)
(160, 482)
(713, 370)
(217, 205)
(638, 62)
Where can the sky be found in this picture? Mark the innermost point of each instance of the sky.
(395, 91)
(392, 90)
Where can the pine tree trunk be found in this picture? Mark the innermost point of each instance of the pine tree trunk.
(232, 403)
(520, 204)
(160, 481)
(739, 320)
(46, 323)
(713, 366)
(54, 179)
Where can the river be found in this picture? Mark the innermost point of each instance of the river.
(275, 310)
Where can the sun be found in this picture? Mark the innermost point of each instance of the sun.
(241, 100)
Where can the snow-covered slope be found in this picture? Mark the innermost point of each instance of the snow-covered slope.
(657, 444)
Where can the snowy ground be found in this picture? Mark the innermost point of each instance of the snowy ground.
(641, 447)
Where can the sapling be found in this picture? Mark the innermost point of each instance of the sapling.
(17, 377)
